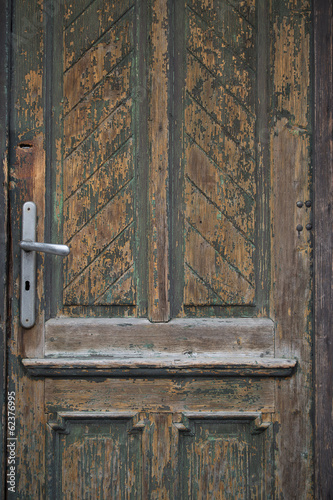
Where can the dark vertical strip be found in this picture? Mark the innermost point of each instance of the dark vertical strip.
(47, 81)
(323, 211)
(177, 49)
(53, 79)
(140, 104)
(4, 86)
(262, 260)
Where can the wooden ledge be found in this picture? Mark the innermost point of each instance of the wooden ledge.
(164, 365)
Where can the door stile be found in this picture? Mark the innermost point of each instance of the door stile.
(27, 183)
(141, 157)
(176, 169)
(159, 130)
(263, 123)
(292, 249)
(160, 439)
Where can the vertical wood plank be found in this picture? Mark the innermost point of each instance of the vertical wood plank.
(4, 81)
(140, 109)
(177, 94)
(323, 196)
(262, 226)
(159, 307)
(159, 457)
(27, 182)
(291, 250)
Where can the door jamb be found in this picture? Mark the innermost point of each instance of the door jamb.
(323, 243)
(4, 131)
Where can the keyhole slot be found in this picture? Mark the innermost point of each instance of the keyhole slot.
(27, 285)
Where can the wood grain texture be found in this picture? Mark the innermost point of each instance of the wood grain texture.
(158, 304)
(220, 156)
(4, 278)
(221, 459)
(27, 182)
(205, 45)
(161, 394)
(215, 272)
(291, 250)
(98, 61)
(235, 31)
(170, 380)
(95, 453)
(89, 26)
(98, 156)
(214, 365)
(112, 262)
(323, 195)
(151, 455)
(84, 337)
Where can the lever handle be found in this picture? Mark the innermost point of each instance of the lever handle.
(29, 246)
(34, 246)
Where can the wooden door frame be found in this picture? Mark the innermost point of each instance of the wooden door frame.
(323, 221)
(323, 242)
(4, 313)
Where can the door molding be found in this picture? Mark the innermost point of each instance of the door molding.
(323, 213)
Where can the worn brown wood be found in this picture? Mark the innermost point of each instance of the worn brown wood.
(291, 250)
(84, 455)
(161, 394)
(4, 278)
(220, 157)
(159, 305)
(98, 158)
(27, 183)
(181, 365)
(323, 195)
(84, 337)
(184, 129)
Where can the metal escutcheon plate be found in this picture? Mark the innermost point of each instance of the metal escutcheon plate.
(28, 267)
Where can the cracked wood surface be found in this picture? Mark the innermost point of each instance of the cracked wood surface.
(131, 125)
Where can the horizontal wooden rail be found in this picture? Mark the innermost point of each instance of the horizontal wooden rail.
(163, 365)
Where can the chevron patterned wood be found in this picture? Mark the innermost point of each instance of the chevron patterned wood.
(218, 152)
(98, 157)
(220, 155)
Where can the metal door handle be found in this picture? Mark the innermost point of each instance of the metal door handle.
(34, 246)
(29, 246)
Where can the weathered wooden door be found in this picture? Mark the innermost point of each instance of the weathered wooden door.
(167, 143)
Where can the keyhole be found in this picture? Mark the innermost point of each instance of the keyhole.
(27, 285)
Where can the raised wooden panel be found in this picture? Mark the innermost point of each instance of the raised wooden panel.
(220, 153)
(128, 455)
(98, 154)
(222, 458)
(94, 456)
